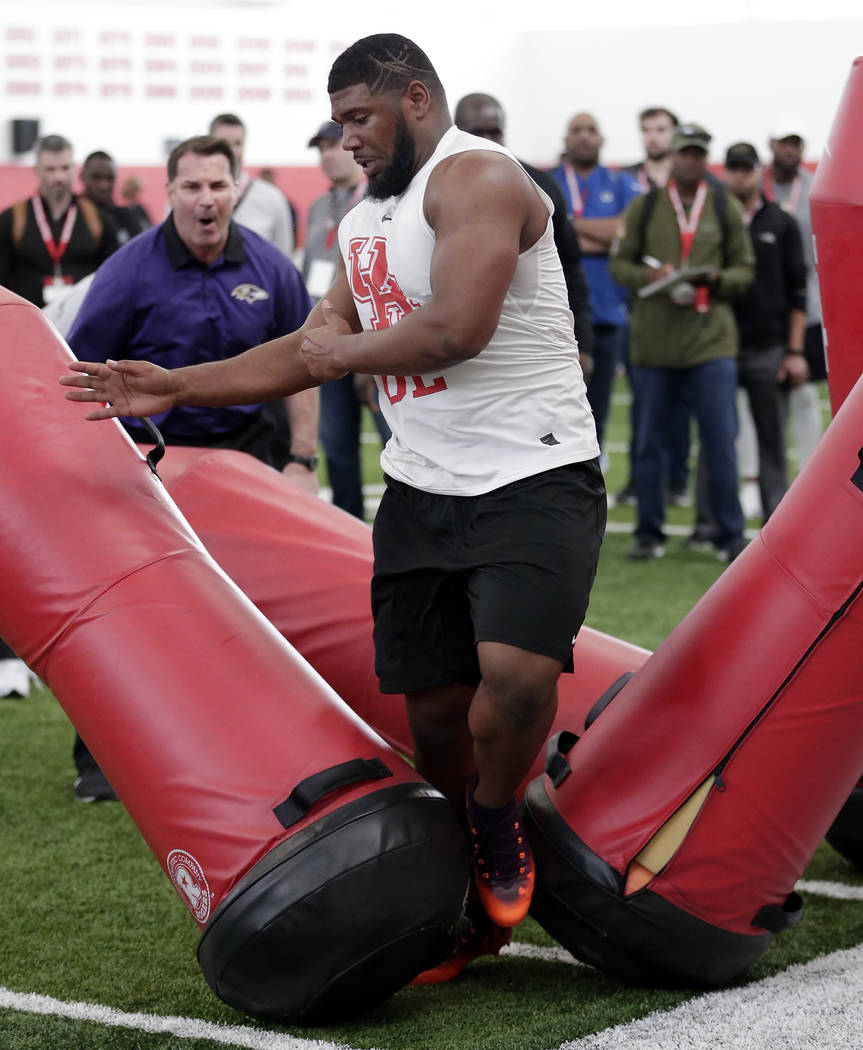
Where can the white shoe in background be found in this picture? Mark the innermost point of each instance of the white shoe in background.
(15, 678)
(750, 499)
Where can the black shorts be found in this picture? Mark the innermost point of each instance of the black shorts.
(514, 565)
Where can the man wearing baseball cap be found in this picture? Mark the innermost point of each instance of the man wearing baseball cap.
(771, 318)
(342, 399)
(683, 335)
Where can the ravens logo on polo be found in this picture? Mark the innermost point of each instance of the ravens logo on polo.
(249, 293)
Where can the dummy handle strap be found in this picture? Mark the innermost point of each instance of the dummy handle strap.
(155, 454)
(557, 766)
(857, 476)
(316, 786)
(778, 919)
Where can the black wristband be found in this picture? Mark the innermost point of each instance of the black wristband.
(309, 462)
(788, 350)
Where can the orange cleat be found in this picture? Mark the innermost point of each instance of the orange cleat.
(471, 945)
(504, 872)
(503, 867)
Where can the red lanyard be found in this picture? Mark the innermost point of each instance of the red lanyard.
(55, 250)
(790, 204)
(332, 226)
(688, 226)
(577, 198)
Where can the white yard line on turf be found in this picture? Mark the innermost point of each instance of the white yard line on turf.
(838, 890)
(523, 950)
(810, 1006)
(182, 1027)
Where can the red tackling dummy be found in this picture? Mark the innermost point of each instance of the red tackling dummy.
(324, 873)
(669, 840)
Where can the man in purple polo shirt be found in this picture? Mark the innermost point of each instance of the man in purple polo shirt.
(198, 287)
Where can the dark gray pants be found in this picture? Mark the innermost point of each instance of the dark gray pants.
(768, 401)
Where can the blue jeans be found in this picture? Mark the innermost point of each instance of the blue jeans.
(678, 438)
(609, 346)
(341, 413)
(708, 391)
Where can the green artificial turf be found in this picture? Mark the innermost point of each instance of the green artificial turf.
(86, 913)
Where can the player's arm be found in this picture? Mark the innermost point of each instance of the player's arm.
(484, 211)
(264, 373)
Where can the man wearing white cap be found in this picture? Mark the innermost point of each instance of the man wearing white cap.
(788, 183)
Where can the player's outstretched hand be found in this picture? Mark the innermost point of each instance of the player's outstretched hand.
(130, 388)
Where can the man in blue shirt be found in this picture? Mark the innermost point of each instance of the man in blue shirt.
(198, 287)
(596, 197)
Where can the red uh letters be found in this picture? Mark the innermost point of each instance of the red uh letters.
(371, 282)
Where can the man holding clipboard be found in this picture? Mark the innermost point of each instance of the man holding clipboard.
(685, 253)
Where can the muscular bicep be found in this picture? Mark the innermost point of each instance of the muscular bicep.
(480, 210)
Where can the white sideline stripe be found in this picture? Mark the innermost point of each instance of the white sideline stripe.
(182, 1027)
(669, 530)
(810, 1006)
(786, 1010)
(523, 950)
(840, 891)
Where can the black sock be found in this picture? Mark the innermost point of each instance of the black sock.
(486, 816)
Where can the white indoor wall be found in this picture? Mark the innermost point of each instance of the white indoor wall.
(736, 70)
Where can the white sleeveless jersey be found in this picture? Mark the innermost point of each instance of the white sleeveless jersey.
(518, 407)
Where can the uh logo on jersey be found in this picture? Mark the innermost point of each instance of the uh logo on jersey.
(373, 286)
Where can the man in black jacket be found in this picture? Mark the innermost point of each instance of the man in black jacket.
(771, 318)
(52, 239)
(98, 177)
(483, 115)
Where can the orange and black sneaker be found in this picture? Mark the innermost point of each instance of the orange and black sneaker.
(504, 871)
(480, 936)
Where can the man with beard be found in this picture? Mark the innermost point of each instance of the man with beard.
(596, 197)
(449, 290)
(54, 238)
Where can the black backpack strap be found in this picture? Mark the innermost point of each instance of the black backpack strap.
(720, 197)
(644, 219)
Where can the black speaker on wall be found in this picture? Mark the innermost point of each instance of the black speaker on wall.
(25, 131)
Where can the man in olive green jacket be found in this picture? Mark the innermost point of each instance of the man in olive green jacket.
(683, 338)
